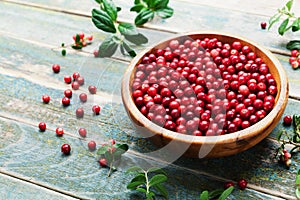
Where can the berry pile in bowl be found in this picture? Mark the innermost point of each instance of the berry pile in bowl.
(205, 91)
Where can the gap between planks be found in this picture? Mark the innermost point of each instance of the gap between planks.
(84, 14)
(137, 154)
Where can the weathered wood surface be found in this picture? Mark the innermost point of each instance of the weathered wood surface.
(25, 75)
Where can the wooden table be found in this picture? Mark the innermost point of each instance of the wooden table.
(31, 164)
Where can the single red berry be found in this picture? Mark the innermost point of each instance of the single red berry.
(228, 184)
(96, 53)
(79, 113)
(68, 93)
(287, 120)
(92, 145)
(92, 89)
(89, 37)
(68, 79)
(65, 101)
(292, 59)
(83, 97)
(59, 131)
(74, 37)
(294, 53)
(75, 76)
(82, 132)
(80, 80)
(96, 109)
(56, 68)
(75, 85)
(66, 149)
(295, 65)
(103, 162)
(42, 126)
(263, 25)
(46, 98)
(112, 141)
(81, 35)
(242, 183)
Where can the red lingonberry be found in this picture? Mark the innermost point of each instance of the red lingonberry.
(89, 37)
(92, 89)
(96, 109)
(81, 35)
(83, 97)
(66, 149)
(103, 162)
(82, 132)
(80, 80)
(112, 141)
(68, 79)
(75, 76)
(287, 120)
(65, 101)
(75, 85)
(56, 68)
(228, 184)
(294, 53)
(79, 112)
(242, 183)
(59, 131)
(42, 126)
(92, 145)
(96, 53)
(263, 25)
(68, 93)
(46, 98)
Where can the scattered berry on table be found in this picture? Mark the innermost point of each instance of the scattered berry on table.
(65, 101)
(242, 183)
(68, 79)
(96, 53)
(66, 149)
(228, 184)
(82, 132)
(294, 53)
(80, 80)
(75, 85)
(92, 89)
(103, 162)
(96, 109)
(56, 68)
(92, 145)
(59, 131)
(79, 112)
(42, 126)
(46, 98)
(68, 93)
(89, 37)
(263, 25)
(112, 141)
(75, 76)
(287, 120)
(83, 97)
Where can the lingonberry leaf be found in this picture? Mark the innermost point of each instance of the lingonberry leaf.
(120, 149)
(226, 193)
(141, 190)
(102, 150)
(298, 178)
(122, 49)
(143, 17)
(157, 170)
(103, 21)
(134, 169)
(289, 5)
(99, 1)
(279, 135)
(108, 47)
(296, 25)
(110, 9)
(77, 38)
(128, 49)
(127, 29)
(296, 124)
(215, 193)
(204, 195)
(77, 47)
(275, 18)
(283, 26)
(136, 39)
(162, 190)
(150, 195)
(165, 12)
(298, 193)
(119, 9)
(160, 4)
(158, 178)
(294, 44)
(137, 8)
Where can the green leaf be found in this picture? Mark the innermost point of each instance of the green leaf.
(77, 39)
(110, 9)
(158, 178)
(298, 177)
(204, 195)
(103, 21)
(296, 25)
(160, 4)
(157, 170)
(289, 4)
(122, 49)
(137, 1)
(165, 12)
(275, 18)
(102, 150)
(99, 1)
(119, 9)
(294, 44)
(140, 189)
(123, 147)
(137, 181)
(63, 52)
(136, 39)
(162, 190)
(129, 50)
(143, 17)
(150, 195)
(127, 29)
(137, 8)
(298, 193)
(226, 193)
(296, 123)
(135, 169)
(215, 193)
(77, 47)
(108, 47)
(283, 26)
(279, 135)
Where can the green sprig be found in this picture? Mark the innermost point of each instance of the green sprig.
(221, 194)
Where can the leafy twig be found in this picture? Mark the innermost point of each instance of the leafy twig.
(221, 194)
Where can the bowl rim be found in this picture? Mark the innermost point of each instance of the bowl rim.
(251, 131)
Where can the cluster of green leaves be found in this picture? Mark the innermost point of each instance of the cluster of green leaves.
(219, 193)
(147, 9)
(123, 34)
(112, 154)
(293, 138)
(147, 180)
(298, 184)
(288, 22)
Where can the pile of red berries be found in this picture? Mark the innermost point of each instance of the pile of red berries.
(295, 59)
(76, 81)
(203, 87)
(242, 184)
(80, 40)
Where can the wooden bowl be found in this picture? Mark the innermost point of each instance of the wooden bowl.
(209, 146)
